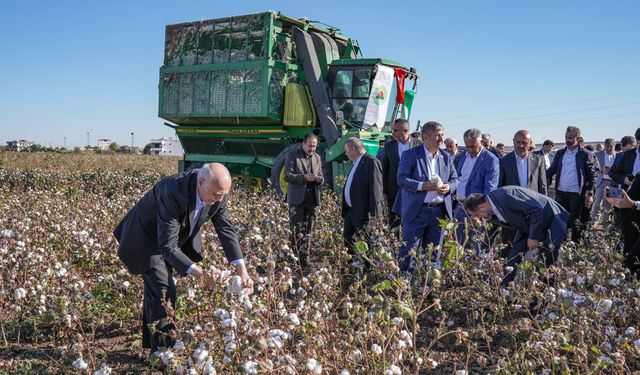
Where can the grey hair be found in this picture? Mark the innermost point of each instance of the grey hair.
(473, 134)
(354, 143)
(486, 136)
(205, 172)
(609, 141)
(450, 139)
(431, 127)
(573, 129)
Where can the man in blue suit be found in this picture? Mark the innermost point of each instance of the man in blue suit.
(426, 177)
(576, 173)
(478, 170)
(539, 221)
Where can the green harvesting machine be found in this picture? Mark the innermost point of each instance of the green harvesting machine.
(244, 90)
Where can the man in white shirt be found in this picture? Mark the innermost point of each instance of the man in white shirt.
(605, 161)
(478, 171)
(576, 175)
(427, 178)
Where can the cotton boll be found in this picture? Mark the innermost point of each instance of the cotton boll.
(80, 364)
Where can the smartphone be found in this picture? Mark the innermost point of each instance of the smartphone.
(614, 193)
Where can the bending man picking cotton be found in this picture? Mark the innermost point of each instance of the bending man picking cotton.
(161, 233)
(539, 222)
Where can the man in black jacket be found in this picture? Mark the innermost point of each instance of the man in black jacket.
(362, 193)
(624, 171)
(161, 233)
(576, 173)
(390, 158)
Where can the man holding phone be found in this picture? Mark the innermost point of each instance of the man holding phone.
(303, 172)
(631, 213)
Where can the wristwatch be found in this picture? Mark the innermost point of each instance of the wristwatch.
(637, 204)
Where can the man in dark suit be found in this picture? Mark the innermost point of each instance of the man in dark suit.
(389, 158)
(545, 153)
(575, 171)
(522, 168)
(488, 144)
(161, 233)
(538, 220)
(624, 172)
(303, 173)
(427, 178)
(362, 195)
(631, 208)
(451, 146)
(478, 171)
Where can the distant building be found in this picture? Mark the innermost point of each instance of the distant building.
(166, 147)
(19, 145)
(104, 144)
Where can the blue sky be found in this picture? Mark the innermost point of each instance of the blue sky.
(68, 67)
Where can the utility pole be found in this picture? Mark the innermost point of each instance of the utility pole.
(65, 143)
(132, 141)
(88, 144)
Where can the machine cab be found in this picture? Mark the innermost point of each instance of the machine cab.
(364, 92)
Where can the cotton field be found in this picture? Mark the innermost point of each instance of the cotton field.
(68, 305)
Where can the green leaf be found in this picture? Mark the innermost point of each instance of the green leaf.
(382, 286)
(404, 310)
(362, 247)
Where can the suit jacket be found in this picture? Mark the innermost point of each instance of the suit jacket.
(365, 191)
(294, 171)
(622, 167)
(484, 175)
(411, 172)
(601, 164)
(536, 172)
(157, 228)
(585, 168)
(390, 160)
(529, 212)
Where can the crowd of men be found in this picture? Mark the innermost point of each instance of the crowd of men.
(422, 181)
(539, 198)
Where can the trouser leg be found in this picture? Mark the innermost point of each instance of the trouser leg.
(514, 257)
(572, 202)
(159, 291)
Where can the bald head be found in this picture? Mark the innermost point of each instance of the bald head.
(522, 142)
(214, 182)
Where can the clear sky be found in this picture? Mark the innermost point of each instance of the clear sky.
(72, 67)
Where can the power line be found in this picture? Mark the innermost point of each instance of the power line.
(611, 96)
(545, 114)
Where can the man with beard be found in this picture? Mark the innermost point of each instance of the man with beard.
(575, 172)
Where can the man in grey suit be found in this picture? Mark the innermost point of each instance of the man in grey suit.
(605, 161)
(539, 221)
(303, 172)
(161, 233)
(390, 158)
(522, 168)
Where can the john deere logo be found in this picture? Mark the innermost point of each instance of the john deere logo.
(379, 95)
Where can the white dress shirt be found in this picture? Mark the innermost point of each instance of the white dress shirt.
(523, 169)
(403, 147)
(547, 160)
(347, 185)
(433, 169)
(569, 175)
(465, 173)
(196, 216)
